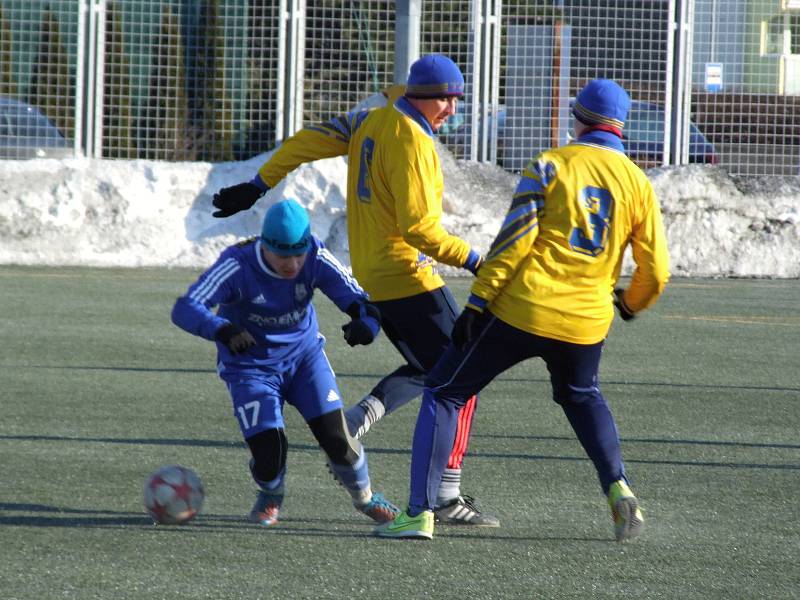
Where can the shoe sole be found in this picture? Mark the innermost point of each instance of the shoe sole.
(467, 524)
(380, 518)
(632, 525)
(264, 522)
(405, 535)
(463, 523)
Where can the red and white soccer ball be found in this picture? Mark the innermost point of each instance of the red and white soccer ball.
(173, 495)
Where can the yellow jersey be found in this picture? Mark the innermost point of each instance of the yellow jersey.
(394, 195)
(552, 268)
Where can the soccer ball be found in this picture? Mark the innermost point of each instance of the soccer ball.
(173, 495)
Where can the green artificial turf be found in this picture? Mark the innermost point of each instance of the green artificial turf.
(99, 388)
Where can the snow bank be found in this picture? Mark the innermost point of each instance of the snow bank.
(149, 213)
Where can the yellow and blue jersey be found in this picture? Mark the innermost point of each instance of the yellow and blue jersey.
(552, 268)
(394, 196)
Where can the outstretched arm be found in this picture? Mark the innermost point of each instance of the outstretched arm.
(315, 142)
(192, 311)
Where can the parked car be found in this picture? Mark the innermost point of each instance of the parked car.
(26, 133)
(643, 136)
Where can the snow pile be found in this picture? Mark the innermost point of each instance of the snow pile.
(149, 213)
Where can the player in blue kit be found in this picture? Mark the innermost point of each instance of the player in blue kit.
(270, 351)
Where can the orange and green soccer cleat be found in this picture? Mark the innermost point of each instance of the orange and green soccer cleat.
(379, 509)
(628, 518)
(265, 510)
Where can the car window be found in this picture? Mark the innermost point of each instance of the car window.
(645, 126)
(35, 125)
(5, 126)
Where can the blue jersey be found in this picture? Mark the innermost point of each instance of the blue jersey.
(277, 312)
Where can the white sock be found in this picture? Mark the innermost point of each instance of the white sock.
(363, 415)
(361, 497)
(450, 487)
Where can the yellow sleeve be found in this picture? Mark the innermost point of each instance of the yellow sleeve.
(393, 92)
(315, 142)
(650, 253)
(416, 183)
(516, 237)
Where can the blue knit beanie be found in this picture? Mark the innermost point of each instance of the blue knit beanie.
(286, 230)
(434, 76)
(602, 103)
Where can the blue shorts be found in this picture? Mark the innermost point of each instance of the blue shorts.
(308, 384)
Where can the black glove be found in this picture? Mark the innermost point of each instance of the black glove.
(466, 327)
(365, 324)
(624, 312)
(237, 340)
(231, 200)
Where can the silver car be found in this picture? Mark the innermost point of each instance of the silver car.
(26, 133)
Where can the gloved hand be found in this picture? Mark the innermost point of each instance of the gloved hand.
(473, 262)
(364, 326)
(231, 200)
(237, 340)
(624, 312)
(466, 327)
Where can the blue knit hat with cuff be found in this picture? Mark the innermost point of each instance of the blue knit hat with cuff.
(286, 230)
(434, 76)
(604, 104)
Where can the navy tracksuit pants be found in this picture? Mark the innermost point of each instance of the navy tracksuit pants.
(462, 373)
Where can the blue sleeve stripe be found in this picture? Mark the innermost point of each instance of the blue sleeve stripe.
(329, 259)
(528, 184)
(341, 124)
(532, 198)
(477, 301)
(517, 213)
(357, 119)
(214, 279)
(497, 249)
(325, 129)
(545, 171)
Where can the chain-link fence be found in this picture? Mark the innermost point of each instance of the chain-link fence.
(39, 78)
(713, 81)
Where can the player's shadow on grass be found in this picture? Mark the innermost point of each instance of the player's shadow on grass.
(59, 516)
(679, 442)
(41, 515)
(607, 383)
(376, 377)
(197, 443)
(405, 451)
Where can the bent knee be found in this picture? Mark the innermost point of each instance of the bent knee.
(331, 434)
(268, 449)
(572, 395)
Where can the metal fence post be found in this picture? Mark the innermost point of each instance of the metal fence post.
(485, 79)
(407, 33)
(280, 91)
(676, 134)
(98, 41)
(293, 67)
(80, 76)
(89, 79)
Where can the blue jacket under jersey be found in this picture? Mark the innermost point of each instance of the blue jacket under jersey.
(277, 312)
